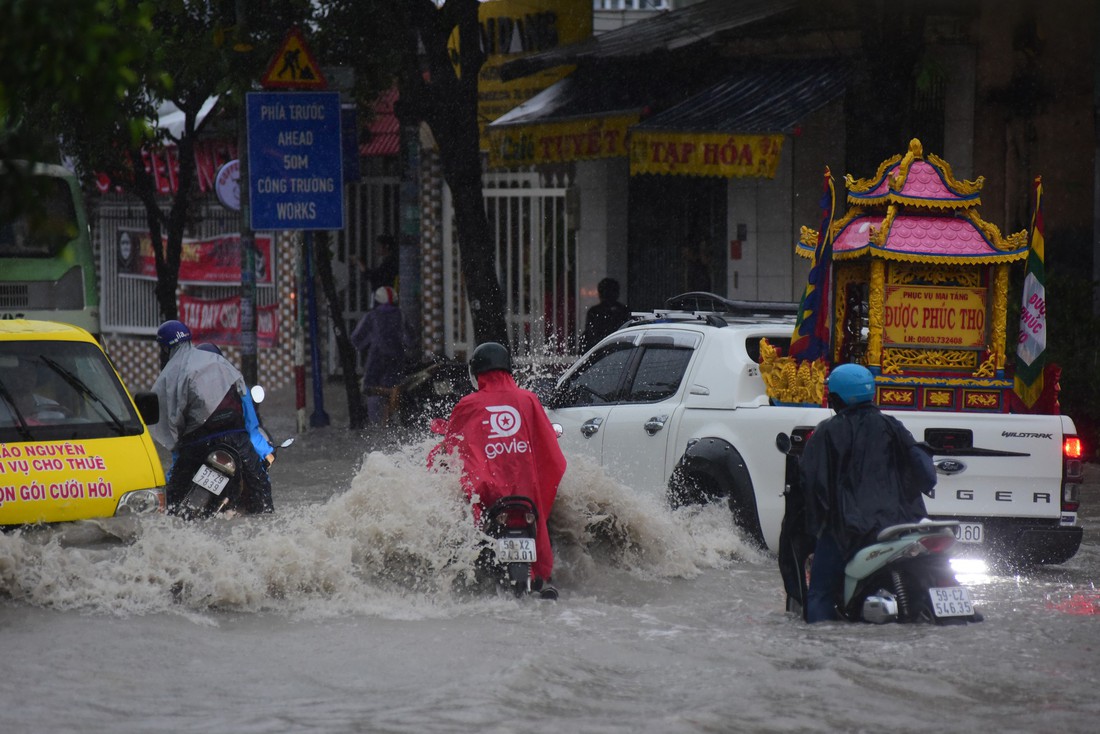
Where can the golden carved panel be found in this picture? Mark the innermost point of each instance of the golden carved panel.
(931, 358)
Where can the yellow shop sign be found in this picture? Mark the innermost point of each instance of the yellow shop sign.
(557, 142)
(704, 154)
(935, 317)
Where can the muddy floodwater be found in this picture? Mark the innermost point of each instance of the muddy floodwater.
(352, 610)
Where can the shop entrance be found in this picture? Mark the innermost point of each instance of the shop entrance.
(676, 230)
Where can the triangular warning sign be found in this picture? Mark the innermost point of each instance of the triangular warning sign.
(294, 66)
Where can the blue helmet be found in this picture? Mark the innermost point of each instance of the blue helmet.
(852, 383)
(172, 333)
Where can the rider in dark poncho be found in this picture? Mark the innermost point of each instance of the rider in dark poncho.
(862, 472)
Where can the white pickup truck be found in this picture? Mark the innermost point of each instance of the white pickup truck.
(675, 405)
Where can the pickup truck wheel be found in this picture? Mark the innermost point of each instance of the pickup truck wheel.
(691, 489)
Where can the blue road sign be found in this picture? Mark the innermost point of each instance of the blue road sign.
(295, 162)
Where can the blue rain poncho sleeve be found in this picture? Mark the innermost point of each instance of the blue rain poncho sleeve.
(252, 423)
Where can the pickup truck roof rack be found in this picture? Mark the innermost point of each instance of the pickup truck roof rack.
(703, 302)
(714, 310)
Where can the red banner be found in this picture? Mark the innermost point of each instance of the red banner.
(163, 164)
(211, 261)
(220, 321)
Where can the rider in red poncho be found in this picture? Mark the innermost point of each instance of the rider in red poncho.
(507, 446)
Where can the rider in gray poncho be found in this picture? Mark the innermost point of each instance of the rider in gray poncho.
(200, 396)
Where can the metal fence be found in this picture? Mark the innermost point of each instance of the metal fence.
(536, 261)
(128, 305)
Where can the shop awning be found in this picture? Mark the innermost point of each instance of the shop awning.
(737, 126)
(582, 117)
(666, 31)
(734, 126)
(384, 129)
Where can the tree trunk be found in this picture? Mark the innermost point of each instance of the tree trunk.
(449, 104)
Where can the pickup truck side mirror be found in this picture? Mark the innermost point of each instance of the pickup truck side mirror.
(148, 406)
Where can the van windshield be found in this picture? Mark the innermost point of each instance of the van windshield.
(43, 230)
(58, 391)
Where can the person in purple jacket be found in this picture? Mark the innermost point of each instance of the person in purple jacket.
(380, 339)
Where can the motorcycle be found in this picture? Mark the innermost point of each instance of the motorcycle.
(904, 576)
(512, 524)
(216, 486)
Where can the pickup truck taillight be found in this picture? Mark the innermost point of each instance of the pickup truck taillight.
(1072, 474)
(799, 437)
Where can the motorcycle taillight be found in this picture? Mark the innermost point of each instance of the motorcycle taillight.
(515, 519)
(222, 461)
(937, 543)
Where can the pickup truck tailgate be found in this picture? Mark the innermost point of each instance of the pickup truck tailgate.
(992, 467)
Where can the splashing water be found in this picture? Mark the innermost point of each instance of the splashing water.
(399, 542)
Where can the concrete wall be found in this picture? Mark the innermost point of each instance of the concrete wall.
(601, 235)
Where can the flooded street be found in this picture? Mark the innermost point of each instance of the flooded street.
(351, 610)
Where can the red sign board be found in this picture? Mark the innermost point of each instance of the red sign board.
(219, 321)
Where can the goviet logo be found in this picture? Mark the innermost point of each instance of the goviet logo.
(503, 421)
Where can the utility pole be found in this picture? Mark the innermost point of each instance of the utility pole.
(249, 368)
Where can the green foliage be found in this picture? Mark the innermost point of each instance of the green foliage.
(59, 56)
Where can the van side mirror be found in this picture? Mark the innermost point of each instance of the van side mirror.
(148, 406)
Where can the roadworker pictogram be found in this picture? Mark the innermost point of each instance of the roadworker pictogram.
(293, 67)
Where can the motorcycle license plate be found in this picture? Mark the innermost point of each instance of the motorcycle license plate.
(969, 532)
(516, 550)
(210, 480)
(951, 601)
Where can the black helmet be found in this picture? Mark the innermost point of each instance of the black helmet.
(172, 333)
(489, 356)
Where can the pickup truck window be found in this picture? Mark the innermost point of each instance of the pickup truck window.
(598, 381)
(660, 371)
(752, 346)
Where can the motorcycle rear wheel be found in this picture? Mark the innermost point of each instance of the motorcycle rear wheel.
(518, 574)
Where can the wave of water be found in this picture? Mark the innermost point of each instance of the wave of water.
(399, 543)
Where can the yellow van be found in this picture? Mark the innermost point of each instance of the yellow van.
(73, 443)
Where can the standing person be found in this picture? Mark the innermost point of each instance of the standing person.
(384, 273)
(507, 447)
(201, 401)
(606, 316)
(696, 269)
(861, 472)
(379, 337)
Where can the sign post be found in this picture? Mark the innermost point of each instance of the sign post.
(295, 164)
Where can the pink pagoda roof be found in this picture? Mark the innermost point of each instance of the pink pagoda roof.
(915, 210)
(920, 237)
(914, 180)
